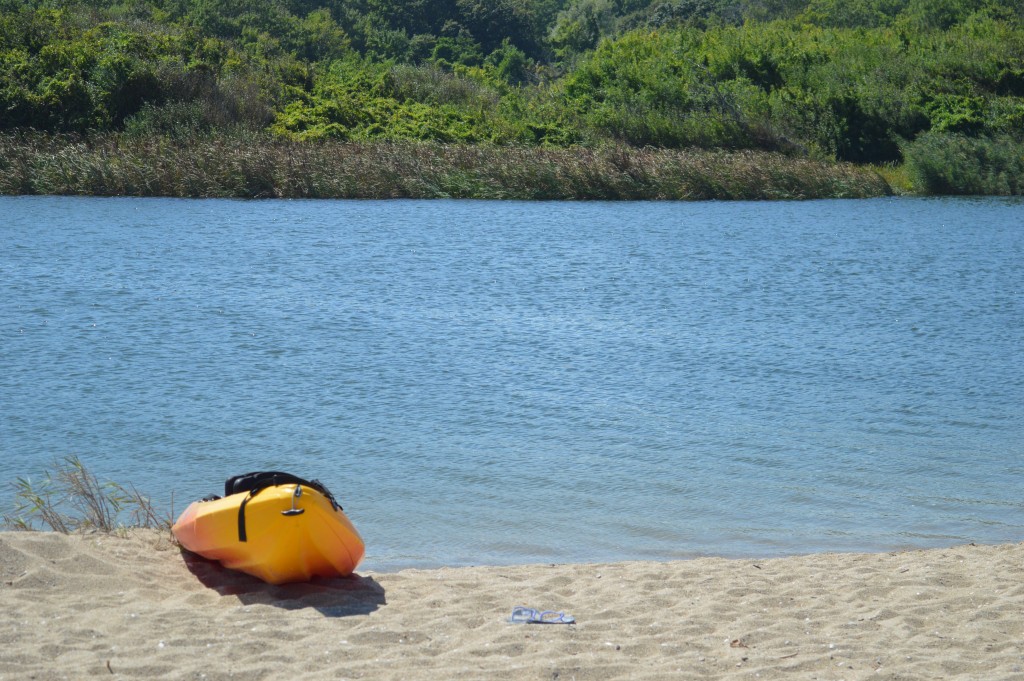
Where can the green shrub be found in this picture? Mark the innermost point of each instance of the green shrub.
(944, 163)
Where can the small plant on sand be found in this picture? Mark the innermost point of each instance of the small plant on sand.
(70, 498)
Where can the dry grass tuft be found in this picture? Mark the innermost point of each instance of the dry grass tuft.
(70, 498)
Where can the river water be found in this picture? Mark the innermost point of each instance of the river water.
(505, 382)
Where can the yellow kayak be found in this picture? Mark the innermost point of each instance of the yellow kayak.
(279, 533)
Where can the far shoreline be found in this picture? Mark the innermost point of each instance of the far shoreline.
(257, 166)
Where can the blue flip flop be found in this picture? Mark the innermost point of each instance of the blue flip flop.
(524, 615)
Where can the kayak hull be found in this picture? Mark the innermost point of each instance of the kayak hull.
(281, 538)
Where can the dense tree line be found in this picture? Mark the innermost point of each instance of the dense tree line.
(868, 81)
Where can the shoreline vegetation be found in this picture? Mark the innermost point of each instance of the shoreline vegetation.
(519, 99)
(68, 498)
(257, 166)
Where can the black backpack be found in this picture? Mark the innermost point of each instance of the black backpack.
(254, 482)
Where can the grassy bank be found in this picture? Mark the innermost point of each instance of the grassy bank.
(255, 166)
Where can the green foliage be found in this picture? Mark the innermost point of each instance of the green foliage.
(847, 80)
(437, 86)
(491, 22)
(853, 13)
(945, 163)
(581, 25)
(647, 89)
(509, 63)
(363, 101)
(459, 50)
(318, 37)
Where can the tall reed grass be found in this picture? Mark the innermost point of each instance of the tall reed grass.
(69, 498)
(251, 165)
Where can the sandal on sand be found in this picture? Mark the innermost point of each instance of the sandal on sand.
(523, 615)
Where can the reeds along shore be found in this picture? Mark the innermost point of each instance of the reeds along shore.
(254, 166)
(132, 606)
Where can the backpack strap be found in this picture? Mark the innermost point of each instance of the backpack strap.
(242, 537)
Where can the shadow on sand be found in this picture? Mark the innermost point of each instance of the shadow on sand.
(337, 597)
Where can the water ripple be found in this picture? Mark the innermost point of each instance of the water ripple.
(511, 382)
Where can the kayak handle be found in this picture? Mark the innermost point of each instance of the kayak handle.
(293, 510)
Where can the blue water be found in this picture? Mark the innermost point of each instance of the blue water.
(488, 382)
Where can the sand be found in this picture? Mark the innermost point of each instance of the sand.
(135, 607)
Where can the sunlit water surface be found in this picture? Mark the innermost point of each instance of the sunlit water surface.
(489, 382)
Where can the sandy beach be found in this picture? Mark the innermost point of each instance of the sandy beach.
(134, 607)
